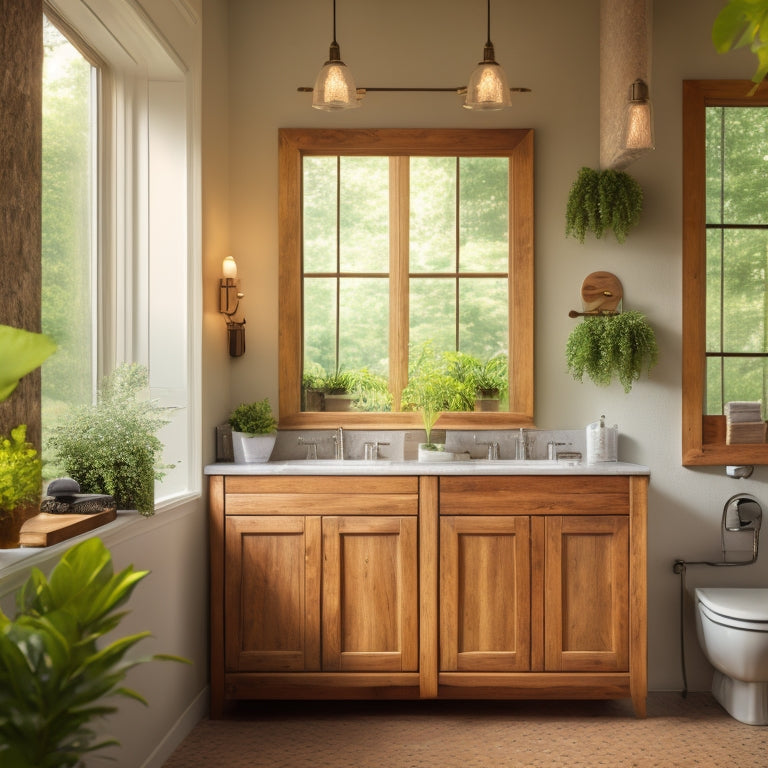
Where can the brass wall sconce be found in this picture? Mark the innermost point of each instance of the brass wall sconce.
(229, 303)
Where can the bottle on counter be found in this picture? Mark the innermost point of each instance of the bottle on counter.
(602, 442)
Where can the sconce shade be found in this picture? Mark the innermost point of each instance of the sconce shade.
(229, 268)
(638, 124)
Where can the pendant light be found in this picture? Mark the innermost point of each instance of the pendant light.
(488, 87)
(638, 125)
(334, 86)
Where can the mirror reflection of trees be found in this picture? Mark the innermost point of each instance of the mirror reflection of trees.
(737, 255)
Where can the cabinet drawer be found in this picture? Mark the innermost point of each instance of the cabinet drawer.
(321, 496)
(535, 495)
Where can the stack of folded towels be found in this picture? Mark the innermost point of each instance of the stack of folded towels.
(744, 422)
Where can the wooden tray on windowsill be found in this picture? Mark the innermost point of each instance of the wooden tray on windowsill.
(46, 529)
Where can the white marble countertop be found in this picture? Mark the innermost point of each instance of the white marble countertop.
(386, 467)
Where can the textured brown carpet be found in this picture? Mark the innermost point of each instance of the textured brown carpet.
(677, 732)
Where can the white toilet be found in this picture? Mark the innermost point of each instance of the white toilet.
(732, 625)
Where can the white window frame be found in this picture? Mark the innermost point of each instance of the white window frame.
(139, 71)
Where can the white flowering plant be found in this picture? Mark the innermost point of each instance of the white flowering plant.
(112, 446)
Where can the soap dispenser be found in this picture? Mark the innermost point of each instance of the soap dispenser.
(601, 442)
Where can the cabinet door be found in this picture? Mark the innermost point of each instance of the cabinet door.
(272, 593)
(370, 594)
(485, 593)
(586, 597)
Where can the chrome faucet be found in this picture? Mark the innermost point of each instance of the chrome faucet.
(338, 439)
(493, 449)
(522, 446)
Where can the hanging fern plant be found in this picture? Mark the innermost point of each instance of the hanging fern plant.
(608, 346)
(603, 200)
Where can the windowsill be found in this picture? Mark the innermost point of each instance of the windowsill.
(15, 564)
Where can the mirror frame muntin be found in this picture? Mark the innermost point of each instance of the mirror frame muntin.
(517, 144)
(703, 438)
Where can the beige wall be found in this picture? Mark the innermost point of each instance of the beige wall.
(554, 49)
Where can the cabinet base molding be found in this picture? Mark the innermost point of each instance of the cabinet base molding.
(529, 685)
(321, 685)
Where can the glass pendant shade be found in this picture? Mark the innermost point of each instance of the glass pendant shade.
(488, 87)
(335, 86)
(638, 119)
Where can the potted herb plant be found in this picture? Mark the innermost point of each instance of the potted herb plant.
(312, 388)
(53, 676)
(608, 346)
(491, 380)
(432, 390)
(603, 200)
(112, 446)
(254, 432)
(20, 484)
(338, 389)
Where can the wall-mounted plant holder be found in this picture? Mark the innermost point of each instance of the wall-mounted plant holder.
(601, 294)
(609, 343)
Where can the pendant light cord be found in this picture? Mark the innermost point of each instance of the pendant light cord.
(334, 23)
(489, 23)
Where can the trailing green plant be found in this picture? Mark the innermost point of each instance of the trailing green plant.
(20, 472)
(371, 391)
(112, 446)
(54, 677)
(431, 390)
(608, 346)
(603, 200)
(253, 418)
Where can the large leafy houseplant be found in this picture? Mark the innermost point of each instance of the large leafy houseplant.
(608, 346)
(744, 23)
(603, 200)
(53, 674)
(112, 446)
(20, 484)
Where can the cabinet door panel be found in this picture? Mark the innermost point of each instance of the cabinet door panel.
(370, 594)
(484, 593)
(272, 593)
(587, 601)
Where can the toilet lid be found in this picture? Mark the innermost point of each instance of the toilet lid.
(745, 603)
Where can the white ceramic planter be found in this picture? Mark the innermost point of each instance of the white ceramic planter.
(252, 449)
(428, 454)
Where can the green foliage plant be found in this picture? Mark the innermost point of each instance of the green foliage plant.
(744, 23)
(20, 353)
(603, 200)
(491, 378)
(112, 446)
(253, 418)
(340, 382)
(20, 472)
(608, 346)
(432, 389)
(54, 677)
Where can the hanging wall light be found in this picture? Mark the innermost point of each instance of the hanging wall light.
(229, 303)
(334, 86)
(488, 87)
(638, 122)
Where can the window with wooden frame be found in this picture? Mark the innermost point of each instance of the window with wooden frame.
(725, 266)
(393, 241)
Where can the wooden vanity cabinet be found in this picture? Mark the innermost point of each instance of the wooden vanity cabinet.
(432, 587)
(542, 587)
(320, 584)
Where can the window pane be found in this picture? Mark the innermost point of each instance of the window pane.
(319, 223)
(484, 214)
(364, 214)
(433, 214)
(744, 378)
(68, 223)
(320, 324)
(433, 309)
(364, 325)
(714, 288)
(483, 317)
(745, 172)
(744, 257)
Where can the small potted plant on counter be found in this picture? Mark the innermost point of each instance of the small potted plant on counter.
(254, 432)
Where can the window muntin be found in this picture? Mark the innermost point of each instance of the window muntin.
(296, 146)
